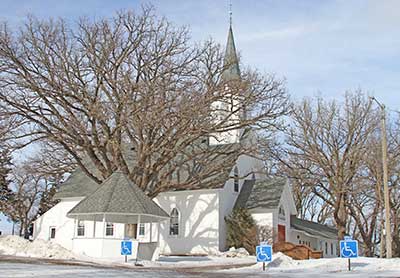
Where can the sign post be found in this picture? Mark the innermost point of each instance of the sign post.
(126, 249)
(348, 249)
(264, 254)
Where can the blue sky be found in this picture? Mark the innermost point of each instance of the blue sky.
(320, 47)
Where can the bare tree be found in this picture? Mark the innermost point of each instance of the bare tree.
(5, 161)
(326, 147)
(394, 182)
(131, 85)
(53, 165)
(27, 191)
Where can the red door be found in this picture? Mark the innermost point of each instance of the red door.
(281, 233)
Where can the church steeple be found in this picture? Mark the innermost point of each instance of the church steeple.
(230, 101)
(231, 61)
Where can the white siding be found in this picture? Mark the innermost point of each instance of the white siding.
(57, 217)
(298, 237)
(332, 250)
(198, 225)
(287, 203)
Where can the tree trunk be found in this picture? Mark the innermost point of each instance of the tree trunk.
(340, 216)
(21, 228)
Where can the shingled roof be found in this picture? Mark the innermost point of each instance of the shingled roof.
(78, 184)
(231, 62)
(260, 194)
(312, 228)
(117, 195)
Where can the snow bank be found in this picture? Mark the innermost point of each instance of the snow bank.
(281, 260)
(233, 253)
(328, 266)
(17, 246)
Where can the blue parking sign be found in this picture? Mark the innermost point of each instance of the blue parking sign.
(126, 248)
(264, 253)
(348, 248)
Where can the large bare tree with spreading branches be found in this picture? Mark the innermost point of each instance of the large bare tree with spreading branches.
(327, 144)
(131, 85)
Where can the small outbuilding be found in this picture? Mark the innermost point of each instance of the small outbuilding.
(117, 200)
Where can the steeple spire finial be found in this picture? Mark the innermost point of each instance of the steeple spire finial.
(230, 12)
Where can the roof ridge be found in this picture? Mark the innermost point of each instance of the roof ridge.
(112, 192)
(315, 223)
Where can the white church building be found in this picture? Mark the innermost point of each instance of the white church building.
(93, 219)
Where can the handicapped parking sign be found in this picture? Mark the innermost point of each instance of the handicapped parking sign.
(126, 248)
(348, 249)
(264, 254)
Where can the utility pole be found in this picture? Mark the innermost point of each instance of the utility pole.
(385, 181)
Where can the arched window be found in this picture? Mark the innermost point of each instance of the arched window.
(236, 179)
(281, 213)
(174, 222)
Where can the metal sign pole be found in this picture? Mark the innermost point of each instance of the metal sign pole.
(126, 258)
(263, 266)
(349, 264)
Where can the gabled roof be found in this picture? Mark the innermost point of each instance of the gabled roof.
(312, 228)
(261, 194)
(78, 184)
(117, 195)
(231, 61)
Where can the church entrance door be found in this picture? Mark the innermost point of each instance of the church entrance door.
(131, 230)
(281, 233)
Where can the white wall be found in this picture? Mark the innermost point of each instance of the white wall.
(57, 217)
(332, 245)
(315, 243)
(227, 196)
(288, 205)
(298, 237)
(199, 222)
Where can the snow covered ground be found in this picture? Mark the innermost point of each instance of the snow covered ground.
(281, 266)
(18, 270)
(17, 246)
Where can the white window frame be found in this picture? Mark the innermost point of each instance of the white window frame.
(80, 228)
(112, 229)
(142, 228)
